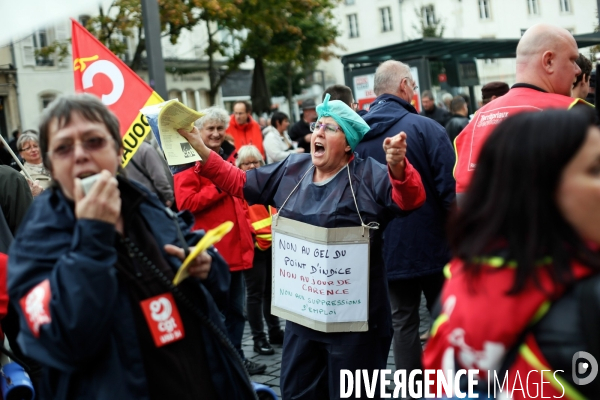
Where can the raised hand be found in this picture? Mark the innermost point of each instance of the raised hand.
(195, 139)
(395, 150)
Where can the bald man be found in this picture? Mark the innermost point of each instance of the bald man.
(546, 71)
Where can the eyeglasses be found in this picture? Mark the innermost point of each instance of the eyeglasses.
(251, 163)
(329, 128)
(91, 143)
(414, 87)
(32, 147)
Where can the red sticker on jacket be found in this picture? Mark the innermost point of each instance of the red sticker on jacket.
(35, 306)
(163, 319)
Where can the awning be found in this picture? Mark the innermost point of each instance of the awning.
(440, 49)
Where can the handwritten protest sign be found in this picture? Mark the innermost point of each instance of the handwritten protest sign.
(320, 276)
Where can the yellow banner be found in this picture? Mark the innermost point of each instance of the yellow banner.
(137, 131)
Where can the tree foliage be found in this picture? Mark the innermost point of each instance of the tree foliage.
(291, 34)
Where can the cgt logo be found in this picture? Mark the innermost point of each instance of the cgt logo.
(106, 68)
(583, 362)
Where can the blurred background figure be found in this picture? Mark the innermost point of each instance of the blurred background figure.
(493, 90)
(446, 99)
(277, 143)
(149, 168)
(300, 132)
(517, 295)
(581, 87)
(259, 277)
(430, 110)
(15, 136)
(459, 118)
(243, 128)
(28, 145)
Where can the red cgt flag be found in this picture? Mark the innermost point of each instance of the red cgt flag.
(99, 72)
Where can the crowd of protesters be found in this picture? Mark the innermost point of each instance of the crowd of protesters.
(493, 217)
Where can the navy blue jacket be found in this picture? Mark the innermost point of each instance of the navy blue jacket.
(416, 245)
(90, 347)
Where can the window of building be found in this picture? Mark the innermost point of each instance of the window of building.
(349, 2)
(40, 40)
(46, 99)
(571, 30)
(386, 19)
(484, 9)
(533, 7)
(565, 6)
(428, 14)
(523, 31)
(83, 19)
(353, 25)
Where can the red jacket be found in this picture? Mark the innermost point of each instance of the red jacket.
(3, 289)
(469, 142)
(211, 207)
(249, 133)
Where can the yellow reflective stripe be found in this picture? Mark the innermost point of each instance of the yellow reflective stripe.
(541, 311)
(266, 236)
(455, 158)
(497, 262)
(437, 323)
(570, 392)
(262, 223)
(580, 101)
(447, 272)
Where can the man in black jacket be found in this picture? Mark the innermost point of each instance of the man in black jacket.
(431, 111)
(459, 119)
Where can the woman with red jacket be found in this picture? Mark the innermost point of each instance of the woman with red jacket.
(258, 278)
(211, 207)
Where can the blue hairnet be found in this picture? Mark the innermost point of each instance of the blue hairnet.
(354, 127)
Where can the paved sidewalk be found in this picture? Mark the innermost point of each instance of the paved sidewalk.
(271, 376)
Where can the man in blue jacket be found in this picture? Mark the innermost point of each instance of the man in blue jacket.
(415, 249)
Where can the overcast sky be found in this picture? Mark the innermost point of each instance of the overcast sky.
(19, 18)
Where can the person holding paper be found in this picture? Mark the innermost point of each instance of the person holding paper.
(211, 207)
(329, 188)
(90, 275)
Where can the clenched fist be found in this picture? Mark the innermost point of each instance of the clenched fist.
(395, 150)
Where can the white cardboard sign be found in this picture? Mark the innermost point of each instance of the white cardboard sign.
(321, 282)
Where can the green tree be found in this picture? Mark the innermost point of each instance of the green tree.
(123, 19)
(291, 36)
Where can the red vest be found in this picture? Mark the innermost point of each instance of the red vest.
(470, 141)
(261, 219)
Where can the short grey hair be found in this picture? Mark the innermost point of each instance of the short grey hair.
(389, 75)
(246, 152)
(25, 138)
(213, 114)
